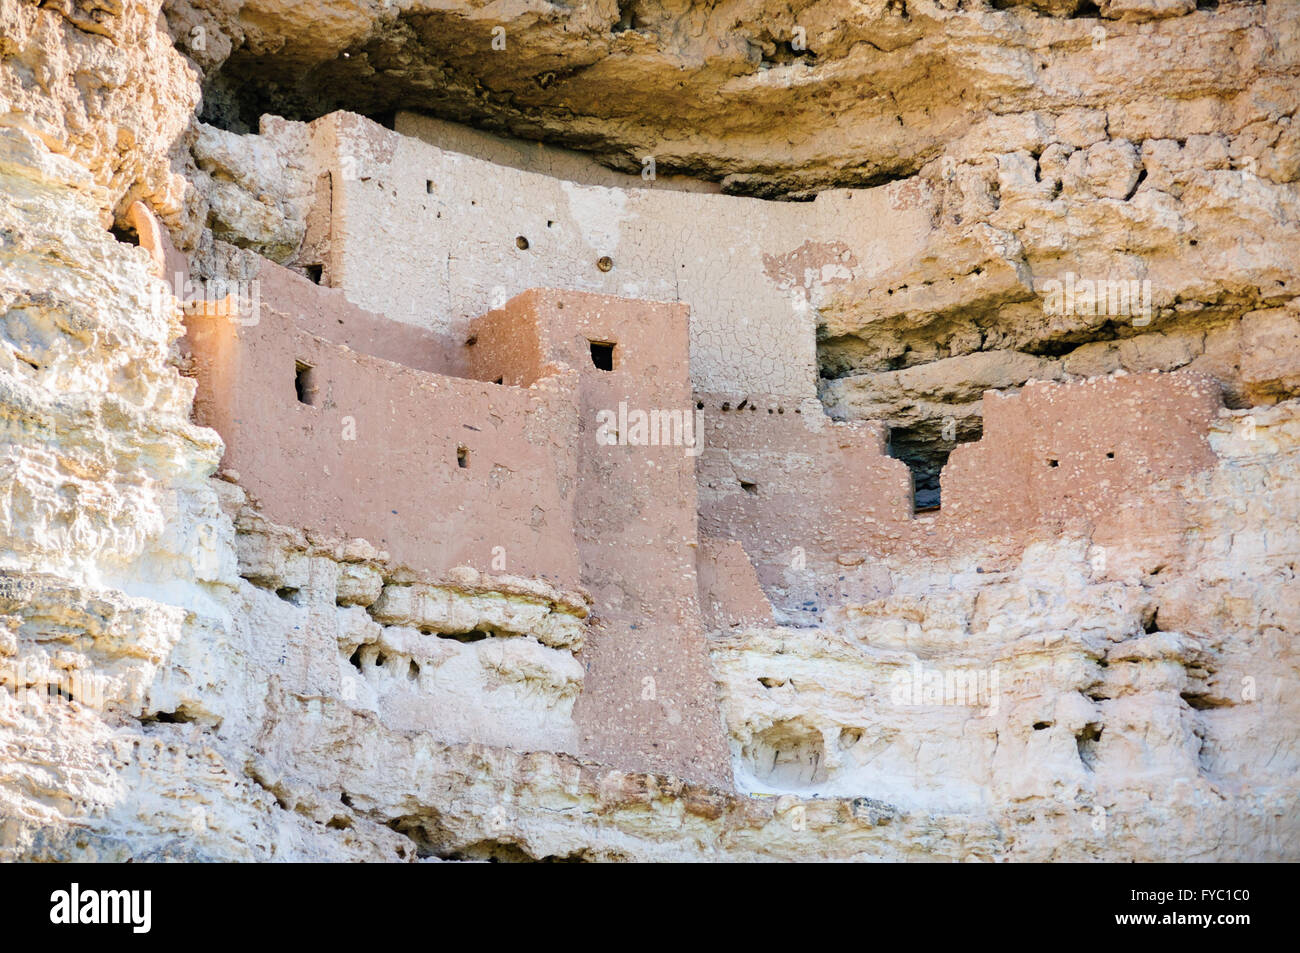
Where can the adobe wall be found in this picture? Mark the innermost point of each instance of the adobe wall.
(533, 156)
(799, 491)
(818, 505)
(327, 313)
(430, 237)
(730, 595)
(649, 698)
(1053, 455)
(376, 453)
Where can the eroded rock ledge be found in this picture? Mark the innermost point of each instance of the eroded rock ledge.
(181, 678)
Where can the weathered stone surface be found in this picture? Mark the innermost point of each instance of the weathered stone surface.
(698, 86)
(184, 678)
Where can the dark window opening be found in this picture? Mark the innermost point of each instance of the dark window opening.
(304, 382)
(602, 355)
(462, 457)
(316, 273)
(1110, 455)
(1053, 462)
(125, 234)
(521, 243)
(925, 447)
(499, 380)
(428, 186)
(750, 488)
(289, 594)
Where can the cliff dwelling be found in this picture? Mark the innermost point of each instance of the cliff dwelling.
(413, 453)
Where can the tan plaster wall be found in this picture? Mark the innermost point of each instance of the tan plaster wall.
(429, 236)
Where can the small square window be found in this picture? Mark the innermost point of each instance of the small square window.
(602, 355)
(462, 457)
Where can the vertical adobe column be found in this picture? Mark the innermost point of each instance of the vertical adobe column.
(649, 701)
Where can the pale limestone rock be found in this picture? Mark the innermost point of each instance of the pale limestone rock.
(1112, 169)
(183, 681)
(447, 610)
(1139, 10)
(359, 585)
(1270, 353)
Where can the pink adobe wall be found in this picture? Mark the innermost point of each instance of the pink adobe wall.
(326, 313)
(618, 521)
(398, 483)
(825, 504)
(649, 699)
(1055, 453)
(506, 344)
(625, 522)
(800, 495)
(730, 595)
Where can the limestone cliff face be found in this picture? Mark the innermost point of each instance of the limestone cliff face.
(180, 677)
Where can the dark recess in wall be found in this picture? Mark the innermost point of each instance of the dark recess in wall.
(925, 448)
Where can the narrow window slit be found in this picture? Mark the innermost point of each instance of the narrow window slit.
(304, 382)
